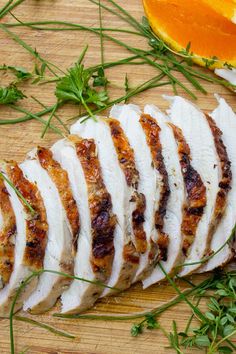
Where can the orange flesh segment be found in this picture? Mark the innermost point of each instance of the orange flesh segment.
(179, 22)
(226, 8)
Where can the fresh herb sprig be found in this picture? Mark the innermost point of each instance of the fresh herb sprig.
(20, 72)
(75, 87)
(10, 95)
(220, 324)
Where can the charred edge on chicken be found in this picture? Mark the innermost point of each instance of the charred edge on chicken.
(36, 224)
(103, 221)
(60, 177)
(127, 162)
(226, 173)
(7, 234)
(196, 192)
(152, 132)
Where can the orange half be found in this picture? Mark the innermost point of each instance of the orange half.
(180, 22)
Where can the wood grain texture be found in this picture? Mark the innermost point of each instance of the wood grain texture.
(63, 48)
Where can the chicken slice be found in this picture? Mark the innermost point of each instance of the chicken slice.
(225, 119)
(174, 208)
(114, 174)
(94, 257)
(30, 237)
(63, 221)
(152, 133)
(196, 192)
(146, 185)
(199, 137)
(7, 234)
(61, 180)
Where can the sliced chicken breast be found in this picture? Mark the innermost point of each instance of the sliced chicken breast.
(7, 234)
(198, 135)
(30, 237)
(172, 220)
(114, 174)
(225, 119)
(94, 257)
(148, 183)
(63, 221)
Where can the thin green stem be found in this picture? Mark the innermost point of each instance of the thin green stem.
(12, 310)
(8, 7)
(195, 310)
(44, 326)
(47, 125)
(37, 117)
(214, 253)
(18, 193)
(117, 14)
(30, 49)
(214, 349)
(191, 317)
(26, 118)
(70, 27)
(4, 8)
(101, 36)
(55, 115)
(129, 17)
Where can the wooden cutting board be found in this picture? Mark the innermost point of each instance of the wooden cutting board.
(63, 49)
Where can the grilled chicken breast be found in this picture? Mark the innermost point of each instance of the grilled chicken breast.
(62, 216)
(113, 200)
(30, 236)
(115, 172)
(225, 119)
(149, 180)
(198, 135)
(95, 247)
(174, 208)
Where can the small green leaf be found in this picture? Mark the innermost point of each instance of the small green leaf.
(214, 305)
(222, 292)
(202, 341)
(232, 310)
(223, 320)
(228, 330)
(100, 79)
(230, 318)
(210, 316)
(136, 329)
(151, 322)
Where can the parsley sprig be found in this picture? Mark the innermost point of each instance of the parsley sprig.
(10, 95)
(76, 87)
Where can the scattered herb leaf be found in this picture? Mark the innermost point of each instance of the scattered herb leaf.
(10, 95)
